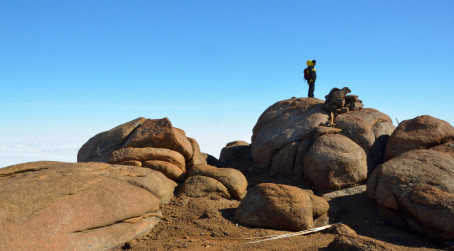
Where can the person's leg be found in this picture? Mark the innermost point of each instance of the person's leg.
(310, 93)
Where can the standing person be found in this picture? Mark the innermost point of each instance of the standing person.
(310, 75)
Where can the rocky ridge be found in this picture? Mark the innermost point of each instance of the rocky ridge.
(307, 166)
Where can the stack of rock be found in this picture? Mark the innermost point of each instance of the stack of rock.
(338, 102)
(152, 143)
(157, 145)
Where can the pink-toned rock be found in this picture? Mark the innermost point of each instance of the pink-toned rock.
(77, 206)
(170, 170)
(99, 147)
(278, 206)
(368, 128)
(148, 153)
(333, 162)
(416, 189)
(422, 132)
(285, 122)
(231, 178)
(202, 186)
(160, 133)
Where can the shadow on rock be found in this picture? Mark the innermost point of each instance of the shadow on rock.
(359, 212)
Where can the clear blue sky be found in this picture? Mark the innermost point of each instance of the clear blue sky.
(72, 69)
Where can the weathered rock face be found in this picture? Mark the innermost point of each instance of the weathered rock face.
(422, 132)
(78, 206)
(231, 178)
(168, 169)
(283, 161)
(237, 155)
(99, 148)
(148, 143)
(447, 148)
(281, 207)
(171, 163)
(334, 161)
(368, 128)
(281, 124)
(160, 133)
(147, 153)
(416, 189)
(202, 186)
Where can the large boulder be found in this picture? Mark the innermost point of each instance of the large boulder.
(78, 206)
(334, 161)
(368, 128)
(231, 178)
(285, 122)
(416, 189)
(100, 147)
(280, 207)
(237, 155)
(422, 132)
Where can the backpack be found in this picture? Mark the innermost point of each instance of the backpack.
(307, 76)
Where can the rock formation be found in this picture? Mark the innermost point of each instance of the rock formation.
(231, 178)
(321, 145)
(281, 207)
(202, 186)
(169, 162)
(100, 147)
(285, 122)
(416, 190)
(422, 132)
(334, 161)
(149, 143)
(338, 102)
(78, 206)
(286, 132)
(157, 145)
(368, 128)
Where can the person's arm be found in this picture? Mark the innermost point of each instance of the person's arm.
(313, 74)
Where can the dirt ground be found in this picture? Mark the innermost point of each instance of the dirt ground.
(209, 224)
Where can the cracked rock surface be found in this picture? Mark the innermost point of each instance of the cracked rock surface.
(78, 206)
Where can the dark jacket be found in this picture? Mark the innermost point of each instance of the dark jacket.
(312, 72)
